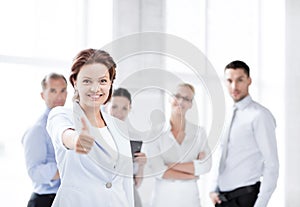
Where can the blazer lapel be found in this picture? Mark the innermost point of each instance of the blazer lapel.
(101, 152)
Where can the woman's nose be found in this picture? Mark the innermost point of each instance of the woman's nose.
(179, 100)
(95, 87)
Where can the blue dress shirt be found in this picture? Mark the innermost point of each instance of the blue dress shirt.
(40, 157)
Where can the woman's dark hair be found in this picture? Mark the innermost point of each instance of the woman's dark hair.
(237, 64)
(123, 93)
(92, 56)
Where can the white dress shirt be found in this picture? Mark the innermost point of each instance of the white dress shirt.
(103, 177)
(252, 151)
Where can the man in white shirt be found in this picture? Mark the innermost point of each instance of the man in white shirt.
(249, 149)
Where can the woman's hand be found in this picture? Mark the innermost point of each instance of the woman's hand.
(83, 142)
(201, 156)
(140, 158)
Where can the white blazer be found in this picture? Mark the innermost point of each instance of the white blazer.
(103, 177)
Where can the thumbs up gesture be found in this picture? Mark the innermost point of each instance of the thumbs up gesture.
(83, 142)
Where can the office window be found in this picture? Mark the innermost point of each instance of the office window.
(38, 37)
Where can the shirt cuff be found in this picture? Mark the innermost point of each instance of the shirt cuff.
(197, 170)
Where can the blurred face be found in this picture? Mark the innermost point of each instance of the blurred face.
(120, 107)
(237, 83)
(93, 84)
(55, 93)
(182, 100)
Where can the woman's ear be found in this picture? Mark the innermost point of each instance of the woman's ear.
(74, 82)
(75, 85)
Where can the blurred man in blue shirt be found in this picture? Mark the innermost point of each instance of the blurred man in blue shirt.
(38, 148)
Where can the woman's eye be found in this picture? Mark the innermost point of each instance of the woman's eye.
(86, 81)
(103, 81)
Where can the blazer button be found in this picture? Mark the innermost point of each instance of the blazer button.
(108, 185)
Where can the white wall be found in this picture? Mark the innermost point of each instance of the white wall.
(292, 103)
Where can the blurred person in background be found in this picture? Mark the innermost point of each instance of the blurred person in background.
(248, 149)
(38, 148)
(179, 155)
(120, 106)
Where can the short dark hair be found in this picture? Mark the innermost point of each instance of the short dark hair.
(123, 93)
(237, 64)
(53, 76)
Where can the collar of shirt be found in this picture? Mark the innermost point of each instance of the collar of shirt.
(46, 111)
(242, 104)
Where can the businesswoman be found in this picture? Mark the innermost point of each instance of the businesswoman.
(92, 151)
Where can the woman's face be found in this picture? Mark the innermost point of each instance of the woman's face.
(182, 100)
(93, 84)
(120, 107)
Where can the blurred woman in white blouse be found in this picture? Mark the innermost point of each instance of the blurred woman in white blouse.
(179, 156)
(120, 106)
